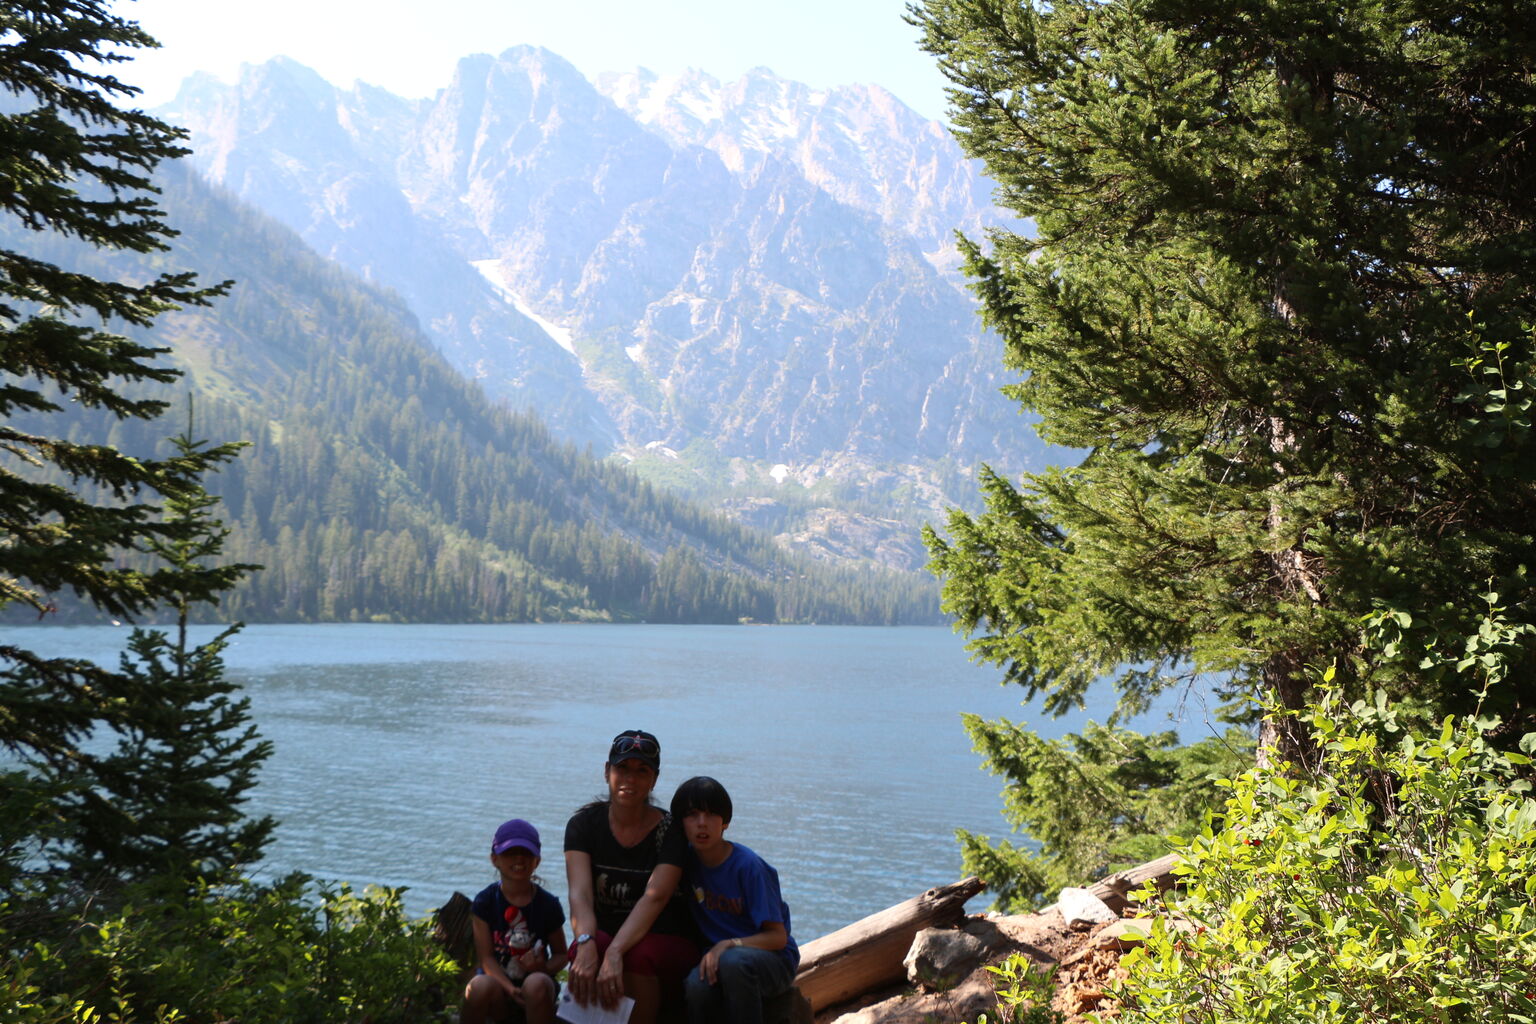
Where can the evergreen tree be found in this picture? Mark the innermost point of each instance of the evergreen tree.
(1281, 297)
(75, 166)
(166, 802)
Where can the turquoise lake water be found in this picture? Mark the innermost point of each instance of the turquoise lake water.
(399, 749)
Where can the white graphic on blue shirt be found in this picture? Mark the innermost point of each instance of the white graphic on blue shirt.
(511, 944)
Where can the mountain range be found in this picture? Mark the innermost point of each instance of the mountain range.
(379, 484)
(749, 291)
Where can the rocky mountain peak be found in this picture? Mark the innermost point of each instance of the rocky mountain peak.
(858, 143)
(743, 272)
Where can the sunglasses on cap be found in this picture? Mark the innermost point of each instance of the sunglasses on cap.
(645, 746)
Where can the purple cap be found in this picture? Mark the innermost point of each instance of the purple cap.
(516, 834)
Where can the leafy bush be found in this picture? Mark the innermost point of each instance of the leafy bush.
(1024, 992)
(1394, 879)
(245, 953)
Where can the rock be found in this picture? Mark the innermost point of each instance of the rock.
(1123, 934)
(941, 957)
(1079, 907)
(989, 933)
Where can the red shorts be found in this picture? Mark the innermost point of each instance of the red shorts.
(667, 957)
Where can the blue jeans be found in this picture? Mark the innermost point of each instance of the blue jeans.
(746, 977)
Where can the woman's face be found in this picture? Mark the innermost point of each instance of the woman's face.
(630, 781)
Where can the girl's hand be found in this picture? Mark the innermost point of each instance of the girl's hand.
(534, 959)
(583, 974)
(610, 979)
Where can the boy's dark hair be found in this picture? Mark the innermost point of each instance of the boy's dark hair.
(701, 793)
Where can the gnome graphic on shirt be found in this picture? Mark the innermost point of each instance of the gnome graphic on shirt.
(514, 942)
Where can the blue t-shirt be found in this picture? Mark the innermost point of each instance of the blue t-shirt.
(515, 930)
(737, 897)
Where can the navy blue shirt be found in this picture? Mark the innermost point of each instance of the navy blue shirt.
(515, 930)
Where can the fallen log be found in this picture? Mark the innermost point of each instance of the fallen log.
(869, 953)
(1112, 889)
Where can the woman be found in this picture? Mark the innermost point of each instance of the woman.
(623, 862)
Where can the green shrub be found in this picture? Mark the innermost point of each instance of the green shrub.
(243, 953)
(1024, 991)
(1392, 880)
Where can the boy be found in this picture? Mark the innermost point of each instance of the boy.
(739, 910)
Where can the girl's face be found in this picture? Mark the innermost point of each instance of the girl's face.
(629, 782)
(515, 865)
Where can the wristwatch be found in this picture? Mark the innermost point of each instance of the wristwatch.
(583, 937)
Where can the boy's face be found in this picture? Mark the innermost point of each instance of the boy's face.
(516, 864)
(704, 830)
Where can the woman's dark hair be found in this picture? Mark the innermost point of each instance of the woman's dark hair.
(701, 793)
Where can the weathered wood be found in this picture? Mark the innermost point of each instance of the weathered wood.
(869, 953)
(1112, 889)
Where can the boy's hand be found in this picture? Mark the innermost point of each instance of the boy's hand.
(534, 959)
(709, 967)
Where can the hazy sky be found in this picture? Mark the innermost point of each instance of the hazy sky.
(410, 46)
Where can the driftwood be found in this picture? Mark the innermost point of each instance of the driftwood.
(1112, 889)
(869, 953)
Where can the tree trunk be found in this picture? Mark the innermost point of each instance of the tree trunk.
(1280, 738)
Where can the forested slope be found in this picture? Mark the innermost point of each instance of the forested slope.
(380, 484)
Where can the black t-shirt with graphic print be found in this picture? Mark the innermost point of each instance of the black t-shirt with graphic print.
(619, 873)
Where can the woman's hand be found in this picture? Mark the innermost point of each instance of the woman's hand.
(583, 973)
(610, 979)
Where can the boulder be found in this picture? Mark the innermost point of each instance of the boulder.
(1081, 908)
(941, 957)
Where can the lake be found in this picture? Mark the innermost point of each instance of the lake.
(399, 749)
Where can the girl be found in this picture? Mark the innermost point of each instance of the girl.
(519, 936)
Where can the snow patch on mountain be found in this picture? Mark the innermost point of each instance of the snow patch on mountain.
(491, 271)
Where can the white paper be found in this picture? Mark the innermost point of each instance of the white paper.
(572, 1012)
